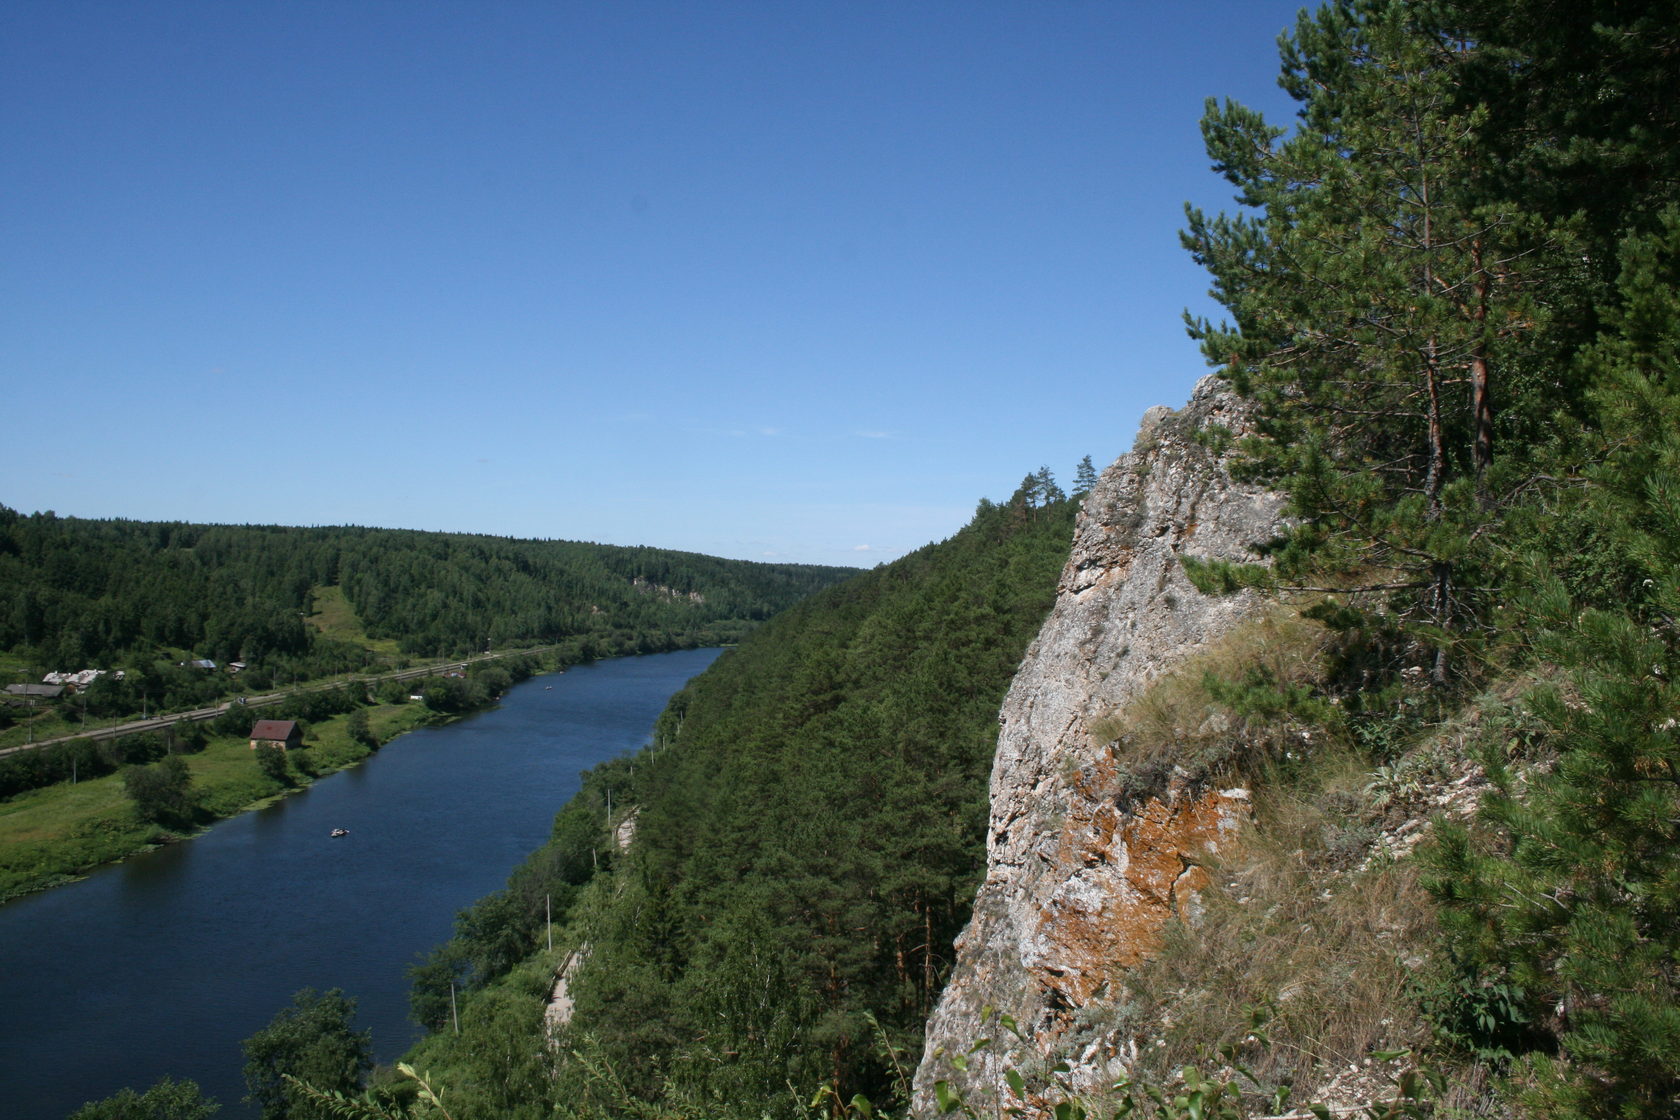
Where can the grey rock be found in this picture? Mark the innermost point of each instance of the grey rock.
(1071, 858)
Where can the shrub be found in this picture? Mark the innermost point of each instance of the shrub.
(272, 762)
(162, 793)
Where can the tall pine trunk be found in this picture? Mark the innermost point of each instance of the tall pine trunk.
(1481, 407)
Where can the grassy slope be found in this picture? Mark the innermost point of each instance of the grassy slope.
(1316, 947)
(336, 619)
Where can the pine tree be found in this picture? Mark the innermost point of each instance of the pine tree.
(1571, 900)
(1045, 483)
(1584, 103)
(1379, 301)
(1084, 478)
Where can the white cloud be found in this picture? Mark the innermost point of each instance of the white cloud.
(861, 548)
(873, 435)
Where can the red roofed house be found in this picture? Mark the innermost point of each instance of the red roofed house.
(282, 733)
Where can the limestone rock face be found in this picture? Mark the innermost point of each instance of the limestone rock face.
(1081, 872)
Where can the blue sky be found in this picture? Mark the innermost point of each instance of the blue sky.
(789, 281)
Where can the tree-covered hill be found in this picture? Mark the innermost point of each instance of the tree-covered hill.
(809, 830)
(100, 593)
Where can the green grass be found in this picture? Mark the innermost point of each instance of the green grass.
(56, 833)
(335, 618)
(15, 669)
(53, 719)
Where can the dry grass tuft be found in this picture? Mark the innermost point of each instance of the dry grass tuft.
(1177, 720)
(1325, 956)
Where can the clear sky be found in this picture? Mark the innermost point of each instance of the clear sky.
(769, 280)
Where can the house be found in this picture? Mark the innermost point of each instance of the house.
(282, 733)
(41, 691)
(200, 663)
(78, 680)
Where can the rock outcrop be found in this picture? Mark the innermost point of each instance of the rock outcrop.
(1083, 872)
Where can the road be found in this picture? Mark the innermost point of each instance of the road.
(158, 723)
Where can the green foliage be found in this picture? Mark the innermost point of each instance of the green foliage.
(311, 1040)
(1487, 1018)
(272, 762)
(1568, 899)
(1383, 300)
(360, 729)
(391, 1101)
(1581, 101)
(167, 1100)
(1084, 478)
(1394, 281)
(1226, 577)
(1470, 244)
(162, 793)
(81, 758)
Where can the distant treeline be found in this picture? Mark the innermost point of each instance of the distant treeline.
(80, 594)
(810, 829)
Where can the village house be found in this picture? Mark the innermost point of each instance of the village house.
(282, 733)
(41, 691)
(74, 682)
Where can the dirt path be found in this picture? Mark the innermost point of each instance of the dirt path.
(559, 1010)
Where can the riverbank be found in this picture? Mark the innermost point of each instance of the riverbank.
(59, 833)
(163, 963)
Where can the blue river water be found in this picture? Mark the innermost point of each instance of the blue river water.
(161, 965)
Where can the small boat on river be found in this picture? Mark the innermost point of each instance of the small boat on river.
(337, 832)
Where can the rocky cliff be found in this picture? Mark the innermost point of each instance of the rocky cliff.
(1084, 861)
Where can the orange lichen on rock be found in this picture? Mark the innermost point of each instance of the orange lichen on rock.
(1134, 872)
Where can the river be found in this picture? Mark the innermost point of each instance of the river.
(164, 963)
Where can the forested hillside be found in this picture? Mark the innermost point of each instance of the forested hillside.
(808, 832)
(103, 594)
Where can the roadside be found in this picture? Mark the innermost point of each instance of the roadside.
(160, 722)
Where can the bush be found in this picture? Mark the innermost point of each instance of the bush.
(272, 762)
(162, 793)
(360, 729)
(167, 1100)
